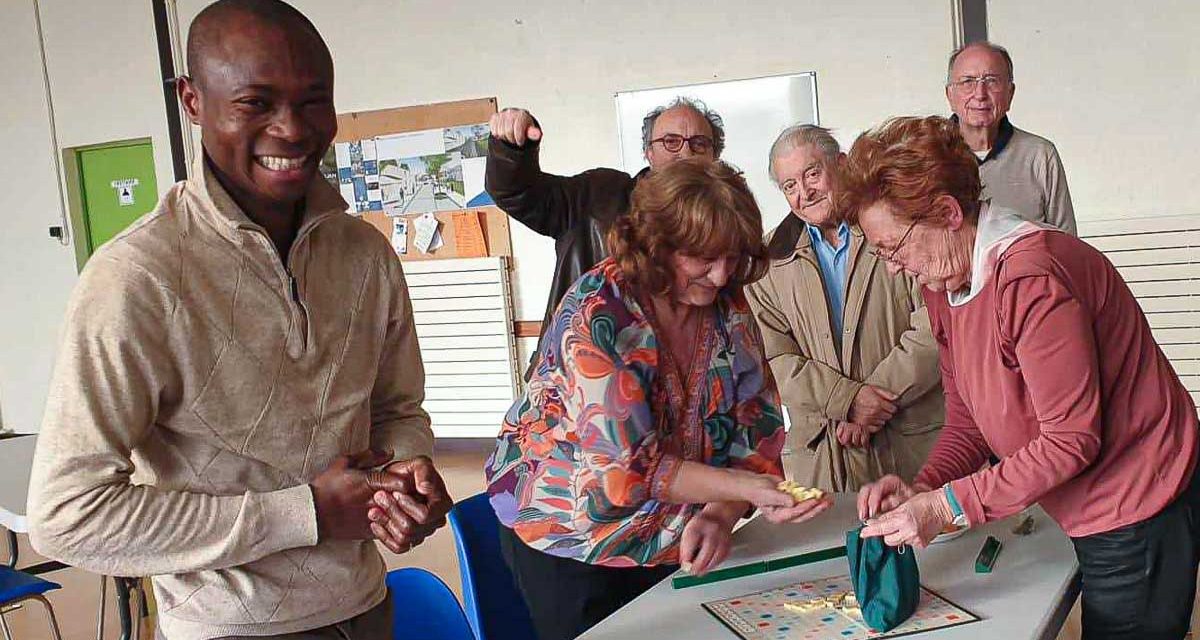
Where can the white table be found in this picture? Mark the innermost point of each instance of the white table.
(1027, 595)
(16, 459)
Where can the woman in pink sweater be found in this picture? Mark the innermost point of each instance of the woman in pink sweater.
(1048, 364)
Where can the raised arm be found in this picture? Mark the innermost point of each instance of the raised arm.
(548, 204)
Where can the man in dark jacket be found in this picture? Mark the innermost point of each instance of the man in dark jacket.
(577, 210)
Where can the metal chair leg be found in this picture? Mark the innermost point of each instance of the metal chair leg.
(4, 626)
(50, 616)
(103, 607)
(12, 549)
(123, 612)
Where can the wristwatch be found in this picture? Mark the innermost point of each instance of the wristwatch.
(960, 518)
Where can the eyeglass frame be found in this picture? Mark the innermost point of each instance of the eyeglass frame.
(891, 257)
(990, 81)
(707, 140)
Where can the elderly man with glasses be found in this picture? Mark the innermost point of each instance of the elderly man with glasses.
(849, 343)
(576, 211)
(1019, 170)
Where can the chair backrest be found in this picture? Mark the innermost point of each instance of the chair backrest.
(493, 604)
(424, 608)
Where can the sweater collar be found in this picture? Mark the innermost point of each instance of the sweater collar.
(1003, 137)
(997, 229)
(321, 202)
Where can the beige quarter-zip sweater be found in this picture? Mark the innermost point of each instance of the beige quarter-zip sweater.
(201, 384)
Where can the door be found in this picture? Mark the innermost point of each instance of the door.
(116, 186)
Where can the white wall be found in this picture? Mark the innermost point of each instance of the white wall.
(103, 68)
(103, 61)
(1116, 86)
(35, 271)
(564, 61)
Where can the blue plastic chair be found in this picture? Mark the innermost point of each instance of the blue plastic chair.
(424, 607)
(18, 586)
(492, 601)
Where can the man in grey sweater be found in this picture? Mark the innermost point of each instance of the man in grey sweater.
(236, 406)
(1019, 170)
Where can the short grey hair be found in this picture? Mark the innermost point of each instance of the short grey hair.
(713, 118)
(800, 135)
(994, 48)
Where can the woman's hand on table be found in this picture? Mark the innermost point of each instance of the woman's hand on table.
(914, 523)
(707, 537)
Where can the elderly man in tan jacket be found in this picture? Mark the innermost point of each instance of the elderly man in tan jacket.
(849, 345)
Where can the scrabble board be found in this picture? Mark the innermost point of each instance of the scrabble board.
(763, 616)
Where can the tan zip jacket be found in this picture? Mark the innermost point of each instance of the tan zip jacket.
(885, 342)
(200, 385)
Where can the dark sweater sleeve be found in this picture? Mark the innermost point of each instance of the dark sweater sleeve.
(550, 204)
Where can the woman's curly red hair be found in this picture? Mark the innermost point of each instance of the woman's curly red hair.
(908, 163)
(697, 207)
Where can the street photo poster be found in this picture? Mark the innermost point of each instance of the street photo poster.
(414, 172)
(357, 174)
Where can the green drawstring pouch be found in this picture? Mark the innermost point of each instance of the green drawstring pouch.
(886, 581)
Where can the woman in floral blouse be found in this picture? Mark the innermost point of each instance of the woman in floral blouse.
(651, 423)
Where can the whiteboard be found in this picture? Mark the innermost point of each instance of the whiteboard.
(755, 111)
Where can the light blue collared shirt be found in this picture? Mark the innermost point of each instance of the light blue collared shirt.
(833, 270)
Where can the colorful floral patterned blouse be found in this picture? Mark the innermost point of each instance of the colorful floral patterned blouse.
(585, 457)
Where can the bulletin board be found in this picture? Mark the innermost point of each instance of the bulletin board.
(366, 125)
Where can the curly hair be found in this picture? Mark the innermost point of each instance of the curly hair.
(908, 163)
(697, 207)
(714, 122)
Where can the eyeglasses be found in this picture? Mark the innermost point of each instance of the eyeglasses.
(968, 83)
(673, 142)
(891, 256)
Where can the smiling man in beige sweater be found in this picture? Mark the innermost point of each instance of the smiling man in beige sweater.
(236, 406)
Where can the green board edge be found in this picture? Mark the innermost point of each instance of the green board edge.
(755, 568)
